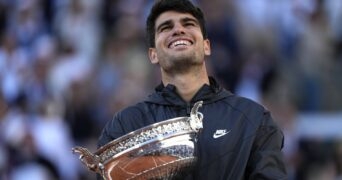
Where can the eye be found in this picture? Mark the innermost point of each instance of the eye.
(164, 28)
(189, 24)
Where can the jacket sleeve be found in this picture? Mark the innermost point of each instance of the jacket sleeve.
(112, 130)
(266, 159)
(123, 122)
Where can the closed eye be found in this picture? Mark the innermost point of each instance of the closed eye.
(190, 22)
(164, 28)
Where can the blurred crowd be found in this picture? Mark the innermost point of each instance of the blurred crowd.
(66, 67)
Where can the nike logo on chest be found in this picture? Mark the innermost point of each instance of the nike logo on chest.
(220, 132)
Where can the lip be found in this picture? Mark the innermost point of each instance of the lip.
(180, 39)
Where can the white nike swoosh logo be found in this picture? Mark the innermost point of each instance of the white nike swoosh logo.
(220, 133)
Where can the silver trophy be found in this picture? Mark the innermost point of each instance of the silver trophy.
(164, 150)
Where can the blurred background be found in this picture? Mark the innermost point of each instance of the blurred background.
(66, 67)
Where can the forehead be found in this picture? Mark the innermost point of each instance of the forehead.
(173, 16)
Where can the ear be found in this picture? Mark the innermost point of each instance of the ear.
(206, 46)
(153, 55)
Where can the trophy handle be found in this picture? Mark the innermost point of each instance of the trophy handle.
(91, 161)
(196, 117)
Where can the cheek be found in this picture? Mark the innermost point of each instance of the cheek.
(159, 44)
(159, 39)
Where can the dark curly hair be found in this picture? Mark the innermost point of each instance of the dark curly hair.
(183, 6)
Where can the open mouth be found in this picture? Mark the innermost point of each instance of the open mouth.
(180, 43)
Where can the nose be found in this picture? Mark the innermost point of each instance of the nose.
(178, 29)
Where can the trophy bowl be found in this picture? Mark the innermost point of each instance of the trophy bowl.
(164, 150)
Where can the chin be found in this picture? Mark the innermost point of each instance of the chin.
(183, 65)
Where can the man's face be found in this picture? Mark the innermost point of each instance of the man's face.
(179, 42)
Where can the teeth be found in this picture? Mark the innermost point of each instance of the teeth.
(180, 42)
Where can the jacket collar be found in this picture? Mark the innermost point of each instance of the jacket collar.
(167, 95)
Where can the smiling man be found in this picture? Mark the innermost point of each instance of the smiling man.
(239, 139)
(179, 50)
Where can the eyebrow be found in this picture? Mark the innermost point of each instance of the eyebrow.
(183, 20)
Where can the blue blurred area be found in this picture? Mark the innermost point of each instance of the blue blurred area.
(66, 67)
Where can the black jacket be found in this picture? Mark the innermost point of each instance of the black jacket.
(251, 149)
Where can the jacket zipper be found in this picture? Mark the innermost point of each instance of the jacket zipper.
(188, 108)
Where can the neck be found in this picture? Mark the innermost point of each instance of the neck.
(187, 84)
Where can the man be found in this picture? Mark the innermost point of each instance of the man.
(239, 139)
